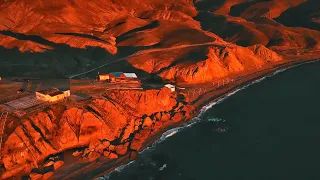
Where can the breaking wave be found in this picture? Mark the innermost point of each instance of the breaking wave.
(171, 132)
(163, 167)
(118, 169)
(216, 120)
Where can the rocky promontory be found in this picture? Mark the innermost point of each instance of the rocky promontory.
(115, 125)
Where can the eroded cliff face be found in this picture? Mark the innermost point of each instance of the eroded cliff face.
(181, 41)
(177, 34)
(220, 60)
(279, 25)
(250, 9)
(221, 63)
(112, 126)
(81, 24)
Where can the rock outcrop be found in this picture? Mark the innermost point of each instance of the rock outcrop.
(181, 41)
(220, 60)
(112, 126)
(262, 22)
(176, 34)
(81, 24)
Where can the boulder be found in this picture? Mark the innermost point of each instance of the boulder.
(106, 153)
(113, 156)
(121, 149)
(106, 144)
(77, 153)
(158, 125)
(137, 136)
(158, 116)
(100, 148)
(111, 148)
(136, 145)
(58, 164)
(93, 156)
(136, 128)
(50, 163)
(35, 176)
(177, 117)
(94, 143)
(165, 117)
(147, 122)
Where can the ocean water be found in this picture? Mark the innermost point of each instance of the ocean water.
(269, 130)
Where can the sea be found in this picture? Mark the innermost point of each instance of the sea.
(267, 130)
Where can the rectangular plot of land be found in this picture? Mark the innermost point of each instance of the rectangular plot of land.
(25, 102)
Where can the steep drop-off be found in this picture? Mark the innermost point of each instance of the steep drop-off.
(112, 126)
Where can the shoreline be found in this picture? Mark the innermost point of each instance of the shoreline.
(92, 169)
(247, 80)
(198, 108)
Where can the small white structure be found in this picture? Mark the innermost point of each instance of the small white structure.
(130, 75)
(52, 94)
(171, 87)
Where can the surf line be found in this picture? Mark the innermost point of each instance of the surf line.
(171, 132)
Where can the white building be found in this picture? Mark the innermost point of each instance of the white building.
(171, 87)
(52, 94)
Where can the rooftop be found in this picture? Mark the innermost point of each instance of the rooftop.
(55, 93)
(51, 91)
(48, 91)
(130, 75)
(116, 74)
(169, 85)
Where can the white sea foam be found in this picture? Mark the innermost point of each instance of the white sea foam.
(195, 120)
(205, 108)
(118, 169)
(163, 137)
(163, 167)
(171, 134)
(216, 120)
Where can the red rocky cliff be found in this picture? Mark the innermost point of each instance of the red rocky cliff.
(111, 126)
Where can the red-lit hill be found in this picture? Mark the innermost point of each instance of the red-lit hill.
(186, 42)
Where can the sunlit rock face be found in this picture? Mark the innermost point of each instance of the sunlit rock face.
(111, 127)
(180, 41)
(80, 24)
(196, 38)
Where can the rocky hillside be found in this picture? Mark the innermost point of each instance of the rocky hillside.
(181, 41)
(112, 126)
(59, 38)
(275, 24)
